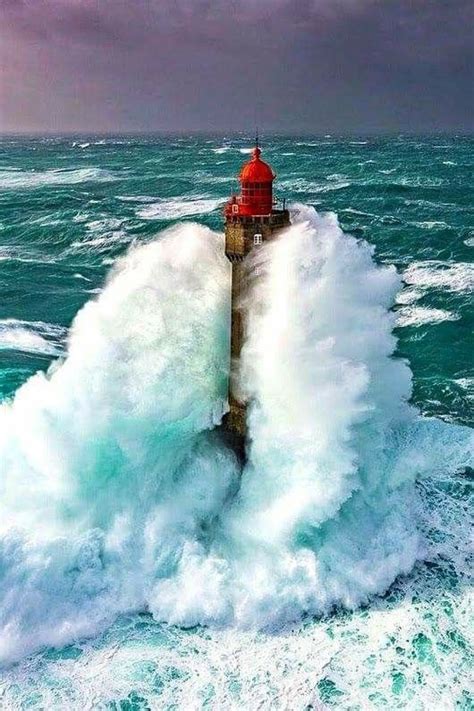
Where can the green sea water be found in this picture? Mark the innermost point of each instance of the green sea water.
(69, 208)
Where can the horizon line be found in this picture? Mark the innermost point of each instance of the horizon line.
(239, 132)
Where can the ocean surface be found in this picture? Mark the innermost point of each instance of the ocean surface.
(139, 569)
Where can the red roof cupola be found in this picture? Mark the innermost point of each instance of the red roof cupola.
(256, 170)
(256, 180)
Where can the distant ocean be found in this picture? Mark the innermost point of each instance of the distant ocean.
(138, 569)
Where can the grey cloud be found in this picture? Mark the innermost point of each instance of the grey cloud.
(311, 65)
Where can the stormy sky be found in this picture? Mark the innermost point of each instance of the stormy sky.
(349, 66)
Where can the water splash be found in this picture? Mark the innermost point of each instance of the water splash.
(96, 456)
(117, 496)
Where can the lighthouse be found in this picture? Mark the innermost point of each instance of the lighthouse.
(251, 219)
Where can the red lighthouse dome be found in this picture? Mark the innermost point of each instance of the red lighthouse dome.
(256, 170)
(256, 180)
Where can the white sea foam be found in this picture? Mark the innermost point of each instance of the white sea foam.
(435, 274)
(337, 177)
(420, 181)
(301, 185)
(52, 219)
(467, 385)
(373, 657)
(315, 144)
(115, 496)
(136, 198)
(174, 208)
(104, 224)
(32, 179)
(420, 315)
(13, 253)
(95, 456)
(100, 242)
(335, 448)
(409, 295)
(354, 211)
(35, 337)
(100, 234)
(430, 224)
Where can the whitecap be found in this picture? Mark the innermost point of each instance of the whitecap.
(175, 208)
(466, 384)
(409, 295)
(104, 224)
(301, 185)
(136, 198)
(353, 211)
(434, 274)
(336, 177)
(101, 242)
(12, 253)
(420, 316)
(37, 179)
(430, 224)
(35, 337)
(420, 181)
(334, 186)
(312, 144)
(51, 220)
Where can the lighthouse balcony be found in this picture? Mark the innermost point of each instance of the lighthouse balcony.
(276, 217)
(244, 232)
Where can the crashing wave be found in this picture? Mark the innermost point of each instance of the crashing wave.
(118, 495)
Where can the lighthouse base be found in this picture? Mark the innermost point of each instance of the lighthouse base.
(235, 442)
(234, 429)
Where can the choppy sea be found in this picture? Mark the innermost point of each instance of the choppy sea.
(139, 569)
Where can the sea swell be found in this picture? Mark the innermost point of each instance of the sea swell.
(16, 180)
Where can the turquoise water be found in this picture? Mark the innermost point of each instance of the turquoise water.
(127, 576)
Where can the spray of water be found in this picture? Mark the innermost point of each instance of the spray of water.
(117, 495)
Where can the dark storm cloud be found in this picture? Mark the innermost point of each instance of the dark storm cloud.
(309, 65)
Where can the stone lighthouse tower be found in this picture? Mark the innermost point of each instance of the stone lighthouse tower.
(251, 219)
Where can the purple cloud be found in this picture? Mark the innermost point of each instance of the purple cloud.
(309, 65)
